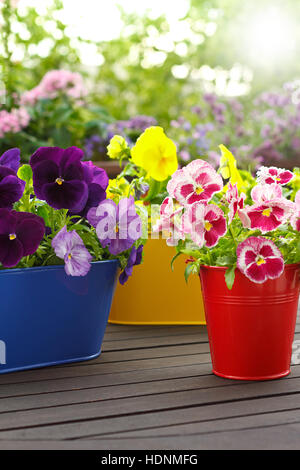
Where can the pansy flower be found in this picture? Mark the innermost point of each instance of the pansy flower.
(11, 159)
(11, 187)
(197, 182)
(204, 223)
(58, 177)
(117, 226)
(267, 216)
(259, 259)
(155, 153)
(135, 258)
(20, 235)
(170, 222)
(269, 175)
(266, 192)
(295, 219)
(70, 247)
(235, 201)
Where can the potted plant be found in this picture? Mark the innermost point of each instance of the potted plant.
(62, 242)
(244, 241)
(151, 161)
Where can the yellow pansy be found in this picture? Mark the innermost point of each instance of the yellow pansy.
(228, 167)
(118, 188)
(155, 153)
(117, 147)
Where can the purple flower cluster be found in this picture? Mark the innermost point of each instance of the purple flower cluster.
(134, 126)
(96, 145)
(267, 131)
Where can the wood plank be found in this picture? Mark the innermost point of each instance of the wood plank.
(149, 382)
(157, 420)
(154, 332)
(160, 401)
(134, 377)
(101, 369)
(216, 426)
(281, 437)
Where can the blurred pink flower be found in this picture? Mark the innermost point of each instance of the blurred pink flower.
(13, 121)
(53, 83)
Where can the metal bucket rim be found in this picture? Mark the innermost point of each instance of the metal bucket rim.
(223, 268)
(51, 267)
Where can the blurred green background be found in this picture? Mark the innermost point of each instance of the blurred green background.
(155, 58)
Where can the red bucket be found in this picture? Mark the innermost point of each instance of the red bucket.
(251, 327)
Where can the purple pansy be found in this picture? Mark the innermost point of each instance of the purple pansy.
(97, 181)
(135, 258)
(20, 235)
(70, 247)
(58, 177)
(117, 226)
(11, 187)
(11, 159)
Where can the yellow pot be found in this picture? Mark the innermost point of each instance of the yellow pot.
(156, 295)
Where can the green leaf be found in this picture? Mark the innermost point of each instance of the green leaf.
(25, 173)
(43, 212)
(173, 259)
(230, 276)
(190, 269)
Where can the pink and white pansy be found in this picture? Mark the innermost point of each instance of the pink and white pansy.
(259, 259)
(270, 208)
(235, 201)
(170, 222)
(197, 182)
(266, 192)
(267, 216)
(295, 219)
(269, 175)
(205, 224)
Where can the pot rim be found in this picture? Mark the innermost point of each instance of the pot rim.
(223, 268)
(50, 267)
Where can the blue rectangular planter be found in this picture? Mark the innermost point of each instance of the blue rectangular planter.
(48, 318)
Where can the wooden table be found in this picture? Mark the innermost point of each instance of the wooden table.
(151, 388)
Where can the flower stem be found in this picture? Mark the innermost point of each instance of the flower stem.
(232, 236)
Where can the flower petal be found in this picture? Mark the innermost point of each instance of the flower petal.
(68, 195)
(11, 159)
